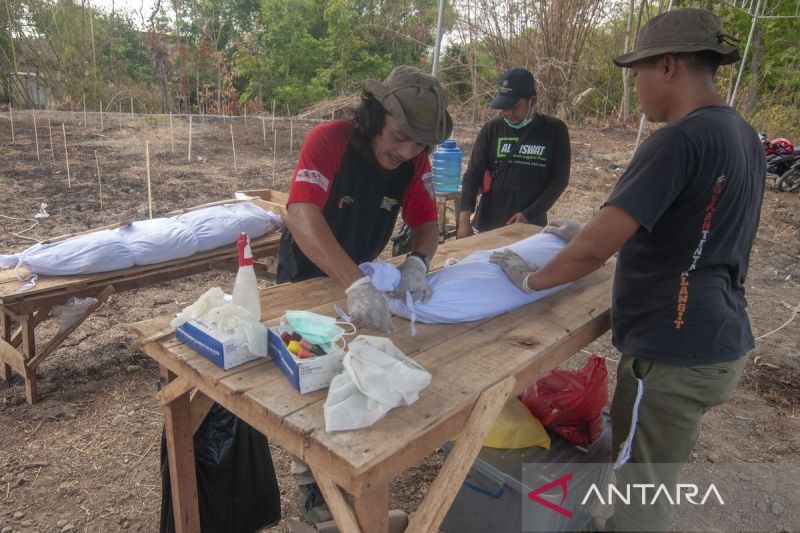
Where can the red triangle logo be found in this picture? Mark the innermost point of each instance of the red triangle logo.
(560, 482)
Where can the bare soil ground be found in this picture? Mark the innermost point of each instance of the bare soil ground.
(87, 456)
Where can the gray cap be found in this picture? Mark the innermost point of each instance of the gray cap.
(681, 30)
(417, 100)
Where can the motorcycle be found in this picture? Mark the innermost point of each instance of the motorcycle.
(789, 180)
(781, 158)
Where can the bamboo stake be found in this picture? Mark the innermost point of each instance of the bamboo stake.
(291, 130)
(171, 134)
(66, 156)
(36, 136)
(291, 136)
(190, 138)
(273, 115)
(101, 116)
(233, 146)
(264, 130)
(149, 189)
(120, 115)
(11, 114)
(84, 110)
(99, 183)
(274, 153)
(52, 150)
(245, 115)
(131, 107)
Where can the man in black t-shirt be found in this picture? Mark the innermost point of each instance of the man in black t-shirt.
(683, 217)
(527, 155)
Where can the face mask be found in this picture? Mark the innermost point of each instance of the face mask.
(519, 126)
(315, 328)
(524, 122)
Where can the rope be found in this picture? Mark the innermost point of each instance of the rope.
(19, 234)
(794, 311)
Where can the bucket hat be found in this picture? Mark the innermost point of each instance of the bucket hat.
(417, 100)
(514, 84)
(681, 30)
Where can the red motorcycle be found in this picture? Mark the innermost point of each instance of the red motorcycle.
(782, 159)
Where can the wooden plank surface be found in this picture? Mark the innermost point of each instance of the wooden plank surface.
(46, 285)
(464, 359)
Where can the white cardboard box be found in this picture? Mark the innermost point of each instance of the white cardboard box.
(222, 350)
(305, 375)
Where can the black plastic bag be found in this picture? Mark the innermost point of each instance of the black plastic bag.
(237, 490)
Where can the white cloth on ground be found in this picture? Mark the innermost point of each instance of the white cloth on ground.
(472, 289)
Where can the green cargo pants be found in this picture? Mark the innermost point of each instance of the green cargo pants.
(675, 399)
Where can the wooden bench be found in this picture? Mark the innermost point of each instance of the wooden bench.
(28, 309)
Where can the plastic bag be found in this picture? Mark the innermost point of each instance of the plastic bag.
(517, 428)
(236, 485)
(377, 377)
(72, 310)
(570, 403)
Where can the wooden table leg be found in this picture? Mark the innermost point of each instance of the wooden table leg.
(444, 488)
(372, 509)
(29, 352)
(5, 331)
(180, 450)
(340, 509)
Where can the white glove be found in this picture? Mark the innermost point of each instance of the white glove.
(566, 229)
(515, 268)
(412, 278)
(367, 305)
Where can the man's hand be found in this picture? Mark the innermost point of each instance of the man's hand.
(412, 278)
(367, 306)
(566, 229)
(464, 225)
(515, 268)
(517, 217)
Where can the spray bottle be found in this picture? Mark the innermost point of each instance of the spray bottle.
(245, 288)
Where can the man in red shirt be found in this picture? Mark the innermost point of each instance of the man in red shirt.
(352, 180)
(350, 183)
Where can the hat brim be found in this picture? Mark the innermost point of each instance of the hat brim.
(503, 101)
(730, 54)
(392, 106)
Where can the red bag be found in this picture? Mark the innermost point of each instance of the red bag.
(571, 403)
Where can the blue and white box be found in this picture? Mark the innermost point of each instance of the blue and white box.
(224, 350)
(305, 375)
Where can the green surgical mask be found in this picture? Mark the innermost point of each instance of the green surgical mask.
(519, 126)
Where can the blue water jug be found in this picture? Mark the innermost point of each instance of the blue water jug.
(447, 167)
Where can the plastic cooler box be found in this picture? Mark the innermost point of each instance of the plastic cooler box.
(493, 493)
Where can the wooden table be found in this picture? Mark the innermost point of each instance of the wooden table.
(475, 366)
(28, 309)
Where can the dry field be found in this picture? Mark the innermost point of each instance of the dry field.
(86, 458)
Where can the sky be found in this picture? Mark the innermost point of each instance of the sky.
(145, 6)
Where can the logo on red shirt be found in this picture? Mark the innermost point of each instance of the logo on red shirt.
(313, 176)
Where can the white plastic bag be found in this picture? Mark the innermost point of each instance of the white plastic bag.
(377, 377)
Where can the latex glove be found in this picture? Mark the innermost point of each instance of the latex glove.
(412, 278)
(515, 268)
(566, 229)
(367, 305)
